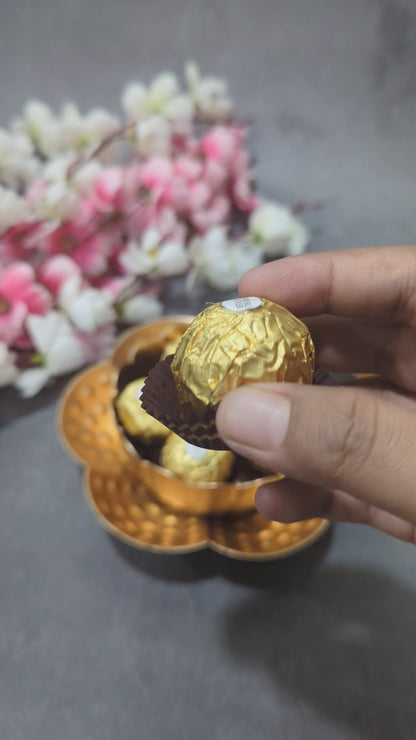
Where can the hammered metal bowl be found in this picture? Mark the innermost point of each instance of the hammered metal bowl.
(123, 502)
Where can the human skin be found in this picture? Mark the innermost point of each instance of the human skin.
(347, 452)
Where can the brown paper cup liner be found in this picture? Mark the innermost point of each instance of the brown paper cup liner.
(160, 399)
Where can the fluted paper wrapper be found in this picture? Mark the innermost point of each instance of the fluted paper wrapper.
(160, 399)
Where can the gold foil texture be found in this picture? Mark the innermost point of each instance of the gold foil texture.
(170, 348)
(237, 342)
(194, 463)
(135, 420)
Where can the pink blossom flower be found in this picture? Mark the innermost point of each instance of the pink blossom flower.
(115, 286)
(215, 174)
(18, 242)
(187, 167)
(214, 214)
(167, 224)
(171, 182)
(157, 174)
(20, 295)
(97, 345)
(221, 143)
(241, 182)
(89, 249)
(158, 216)
(110, 194)
(199, 195)
(56, 271)
(244, 197)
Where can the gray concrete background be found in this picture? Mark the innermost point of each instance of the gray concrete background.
(100, 642)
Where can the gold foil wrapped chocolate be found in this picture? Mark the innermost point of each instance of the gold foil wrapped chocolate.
(135, 420)
(170, 348)
(195, 463)
(240, 341)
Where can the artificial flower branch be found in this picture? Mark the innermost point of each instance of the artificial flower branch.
(89, 231)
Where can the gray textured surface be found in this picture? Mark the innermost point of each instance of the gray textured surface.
(102, 643)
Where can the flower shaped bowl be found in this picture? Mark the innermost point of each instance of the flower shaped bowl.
(143, 504)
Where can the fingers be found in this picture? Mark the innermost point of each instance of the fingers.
(290, 501)
(373, 282)
(356, 346)
(331, 437)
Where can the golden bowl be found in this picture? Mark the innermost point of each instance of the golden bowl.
(134, 356)
(143, 504)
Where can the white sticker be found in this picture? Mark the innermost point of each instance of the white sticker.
(196, 452)
(242, 304)
(140, 392)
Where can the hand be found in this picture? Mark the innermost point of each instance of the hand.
(348, 452)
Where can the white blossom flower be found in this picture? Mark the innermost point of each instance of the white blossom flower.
(56, 169)
(219, 262)
(41, 125)
(85, 175)
(18, 165)
(87, 308)
(56, 202)
(277, 231)
(69, 131)
(161, 99)
(133, 101)
(154, 257)
(8, 370)
(153, 137)
(139, 101)
(13, 209)
(179, 111)
(81, 178)
(58, 348)
(80, 132)
(100, 123)
(140, 308)
(209, 94)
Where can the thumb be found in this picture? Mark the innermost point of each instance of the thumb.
(335, 437)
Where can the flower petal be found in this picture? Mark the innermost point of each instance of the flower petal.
(172, 259)
(65, 354)
(15, 279)
(30, 382)
(43, 330)
(11, 322)
(8, 370)
(141, 308)
(56, 270)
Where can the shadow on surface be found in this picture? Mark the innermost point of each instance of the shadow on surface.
(341, 645)
(274, 574)
(13, 406)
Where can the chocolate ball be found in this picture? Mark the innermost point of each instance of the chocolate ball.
(195, 463)
(240, 341)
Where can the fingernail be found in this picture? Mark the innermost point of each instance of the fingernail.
(254, 418)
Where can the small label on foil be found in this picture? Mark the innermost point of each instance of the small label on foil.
(196, 452)
(140, 392)
(242, 304)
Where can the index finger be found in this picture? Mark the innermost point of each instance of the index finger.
(371, 282)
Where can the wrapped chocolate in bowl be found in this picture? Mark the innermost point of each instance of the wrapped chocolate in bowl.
(193, 463)
(229, 344)
(184, 476)
(134, 419)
